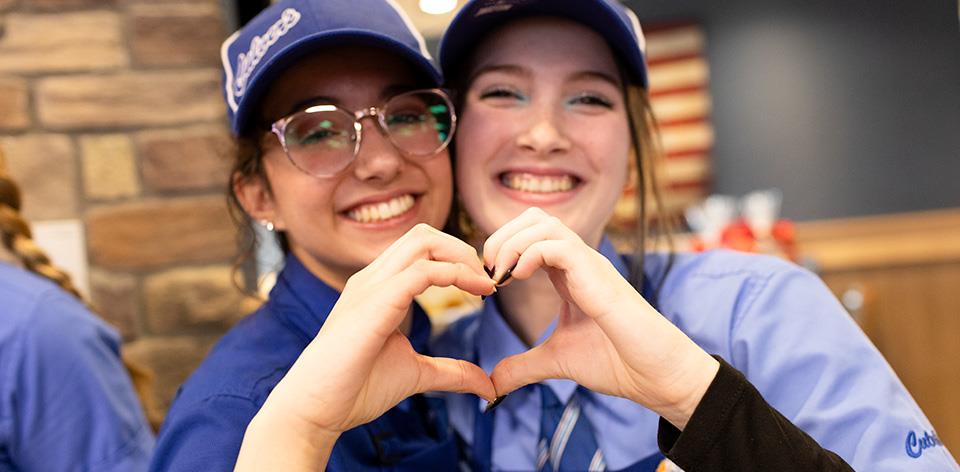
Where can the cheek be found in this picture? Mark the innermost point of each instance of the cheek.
(440, 174)
(609, 146)
(296, 195)
(481, 131)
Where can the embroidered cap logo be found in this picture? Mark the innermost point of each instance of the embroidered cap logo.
(259, 46)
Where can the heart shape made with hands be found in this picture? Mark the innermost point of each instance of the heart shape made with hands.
(608, 338)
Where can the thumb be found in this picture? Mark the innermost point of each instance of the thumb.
(453, 375)
(530, 367)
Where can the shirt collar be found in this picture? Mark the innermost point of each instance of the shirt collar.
(496, 340)
(305, 301)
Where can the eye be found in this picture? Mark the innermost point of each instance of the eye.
(502, 94)
(406, 118)
(321, 136)
(591, 100)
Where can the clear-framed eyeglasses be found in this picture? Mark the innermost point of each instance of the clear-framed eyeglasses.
(324, 139)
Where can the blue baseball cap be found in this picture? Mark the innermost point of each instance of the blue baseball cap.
(254, 56)
(613, 21)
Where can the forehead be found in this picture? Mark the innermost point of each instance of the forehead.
(353, 77)
(545, 42)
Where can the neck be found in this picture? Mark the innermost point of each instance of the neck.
(529, 306)
(335, 277)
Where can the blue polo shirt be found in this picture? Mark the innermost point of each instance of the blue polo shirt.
(206, 423)
(66, 401)
(773, 321)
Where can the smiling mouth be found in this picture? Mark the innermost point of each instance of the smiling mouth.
(382, 211)
(541, 184)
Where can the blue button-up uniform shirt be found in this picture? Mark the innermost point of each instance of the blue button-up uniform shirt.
(66, 401)
(206, 423)
(773, 321)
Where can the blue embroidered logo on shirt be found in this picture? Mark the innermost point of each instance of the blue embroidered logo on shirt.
(916, 446)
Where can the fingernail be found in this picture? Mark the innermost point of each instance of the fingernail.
(489, 271)
(493, 404)
(506, 276)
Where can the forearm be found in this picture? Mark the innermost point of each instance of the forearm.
(734, 428)
(273, 443)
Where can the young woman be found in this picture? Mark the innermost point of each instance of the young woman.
(66, 402)
(343, 154)
(554, 114)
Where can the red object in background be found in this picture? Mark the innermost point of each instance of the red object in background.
(784, 232)
(739, 237)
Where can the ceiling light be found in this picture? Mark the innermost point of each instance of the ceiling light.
(437, 7)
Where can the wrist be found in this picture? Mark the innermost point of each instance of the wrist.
(276, 416)
(276, 441)
(692, 386)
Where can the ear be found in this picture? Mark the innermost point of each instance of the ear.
(253, 193)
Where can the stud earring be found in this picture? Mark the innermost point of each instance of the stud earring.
(268, 225)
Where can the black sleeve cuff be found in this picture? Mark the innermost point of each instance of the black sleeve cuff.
(708, 421)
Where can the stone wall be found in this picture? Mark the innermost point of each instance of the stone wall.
(111, 113)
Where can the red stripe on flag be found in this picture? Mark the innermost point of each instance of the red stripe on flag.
(688, 185)
(653, 63)
(688, 153)
(655, 92)
(682, 121)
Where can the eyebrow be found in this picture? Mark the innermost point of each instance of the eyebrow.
(504, 68)
(587, 74)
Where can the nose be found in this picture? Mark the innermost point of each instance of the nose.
(378, 159)
(544, 135)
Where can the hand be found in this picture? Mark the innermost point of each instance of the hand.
(360, 365)
(608, 338)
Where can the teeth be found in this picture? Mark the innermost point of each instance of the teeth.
(537, 183)
(376, 212)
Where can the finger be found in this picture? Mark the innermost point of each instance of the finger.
(423, 274)
(530, 367)
(547, 229)
(424, 242)
(391, 303)
(491, 246)
(380, 312)
(454, 375)
(588, 279)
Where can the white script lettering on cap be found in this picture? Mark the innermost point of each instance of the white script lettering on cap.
(259, 46)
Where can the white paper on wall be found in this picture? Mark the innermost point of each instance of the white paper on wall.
(64, 242)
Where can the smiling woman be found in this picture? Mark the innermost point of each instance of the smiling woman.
(601, 373)
(343, 141)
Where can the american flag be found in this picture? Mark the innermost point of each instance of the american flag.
(679, 92)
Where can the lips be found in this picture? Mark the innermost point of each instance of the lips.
(539, 183)
(376, 212)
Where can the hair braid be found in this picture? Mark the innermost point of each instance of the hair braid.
(18, 240)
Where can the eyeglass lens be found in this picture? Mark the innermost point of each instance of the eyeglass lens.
(322, 141)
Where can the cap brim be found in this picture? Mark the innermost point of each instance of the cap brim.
(477, 19)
